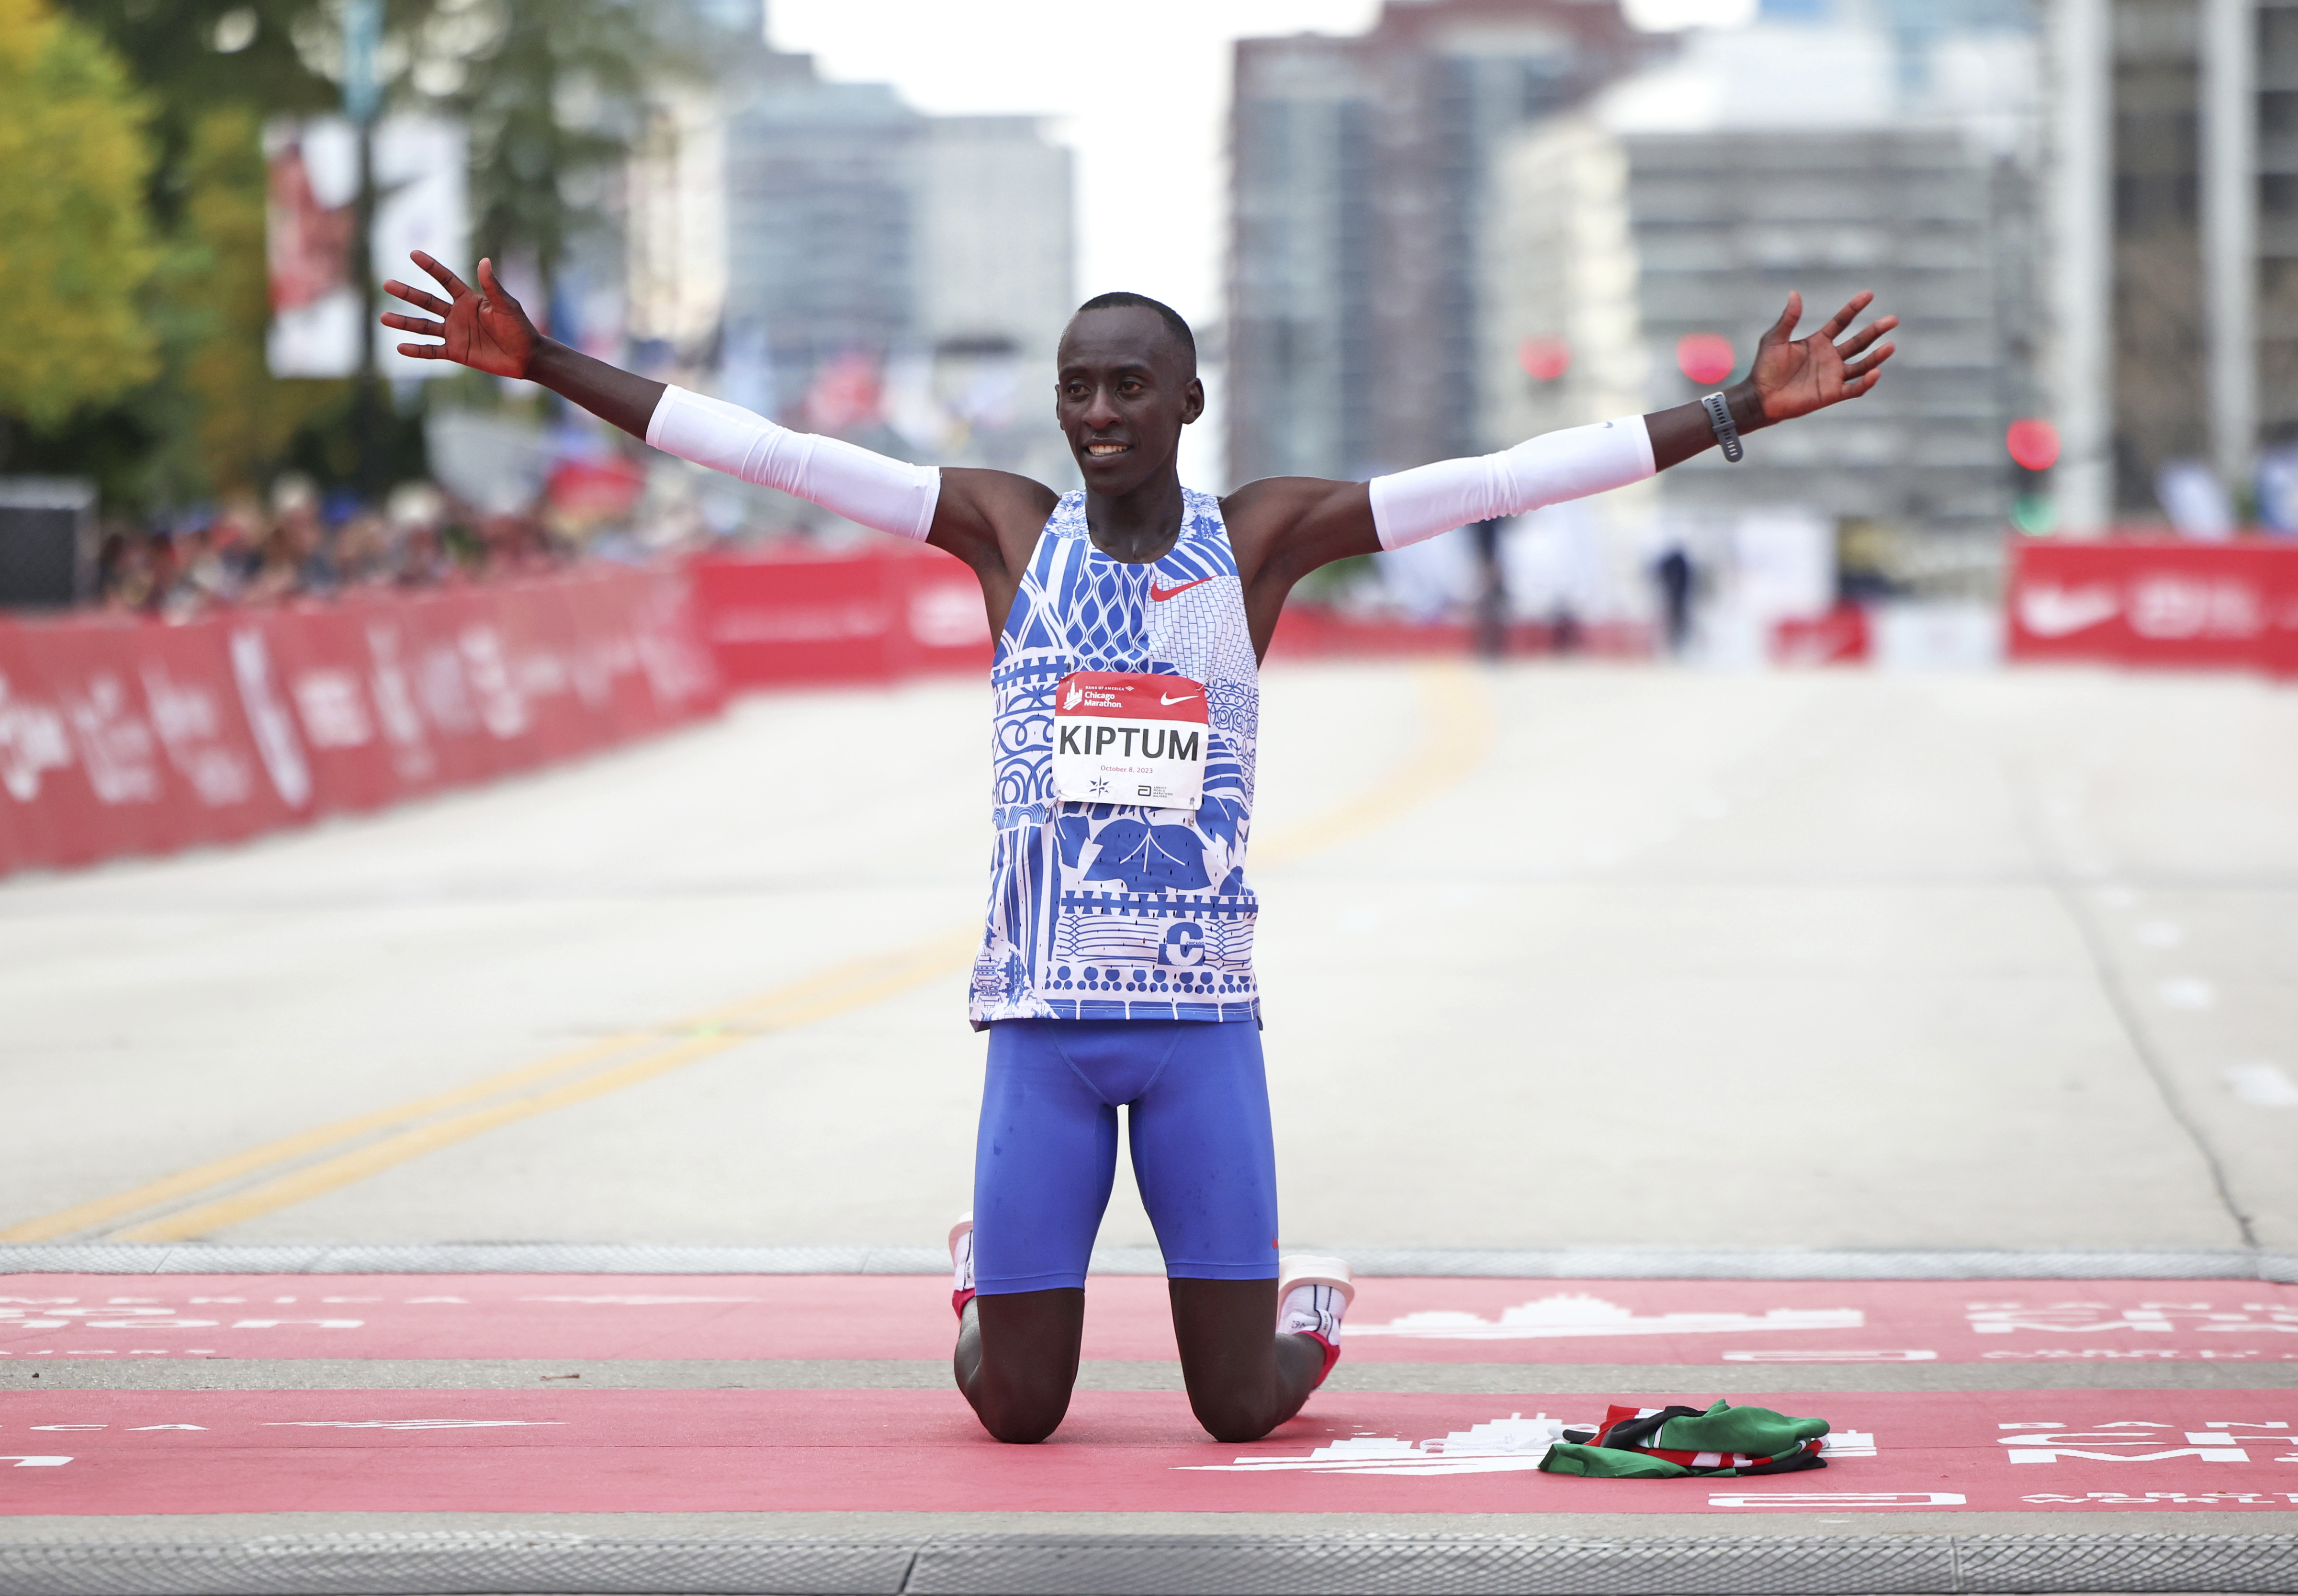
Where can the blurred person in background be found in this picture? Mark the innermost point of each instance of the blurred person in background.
(515, 545)
(1492, 590)
(363, 550)
(179, 552)
(295, 560)
(141, 571)
(164, 569)
(115, 559)
(414, 513)
(1133, 608)
(1672, 575)
(226, 557)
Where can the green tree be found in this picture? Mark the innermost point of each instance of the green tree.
(552, 99)
(208, 417)
(548, 88)
(238, 421)
(193, 56)
(76, 244)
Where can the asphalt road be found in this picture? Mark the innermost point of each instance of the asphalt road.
(1553, 956)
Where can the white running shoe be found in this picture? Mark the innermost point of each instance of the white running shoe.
(961, 1259)
(1313, 1294)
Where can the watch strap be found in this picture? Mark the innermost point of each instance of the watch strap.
(1727, 432)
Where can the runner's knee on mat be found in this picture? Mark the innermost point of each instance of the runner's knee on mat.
(1229, 1418)
(1024, 1417)
(1017, 1360)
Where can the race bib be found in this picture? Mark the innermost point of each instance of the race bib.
(1123, 738)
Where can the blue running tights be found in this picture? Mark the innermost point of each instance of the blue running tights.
(1196, 1102)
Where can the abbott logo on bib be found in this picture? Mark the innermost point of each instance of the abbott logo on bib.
(1124, 738)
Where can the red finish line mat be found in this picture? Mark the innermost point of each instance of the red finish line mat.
(902, 1316)
(112, 1452)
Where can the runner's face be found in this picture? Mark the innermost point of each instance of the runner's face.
(1125, 391)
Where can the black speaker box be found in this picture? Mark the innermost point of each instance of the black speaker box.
(47, 535)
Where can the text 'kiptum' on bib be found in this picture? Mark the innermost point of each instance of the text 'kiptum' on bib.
(1121, 737)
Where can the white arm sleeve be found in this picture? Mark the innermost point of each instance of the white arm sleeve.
(1572, 464)
(889, 495)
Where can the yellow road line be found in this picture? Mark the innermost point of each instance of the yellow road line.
(1458, 729)
(732, 1018)
(799, 1005)
(185, 1182)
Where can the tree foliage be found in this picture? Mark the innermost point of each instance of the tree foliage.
(175, 50)
(240, 420)
(76, 242)
(180, 404)
(208, 417)
(552, 100)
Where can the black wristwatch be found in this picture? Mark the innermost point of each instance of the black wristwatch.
(1719, 416)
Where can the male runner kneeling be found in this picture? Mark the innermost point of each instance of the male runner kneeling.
(1116, 967)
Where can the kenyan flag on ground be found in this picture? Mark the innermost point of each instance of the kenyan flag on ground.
(1668, 1443)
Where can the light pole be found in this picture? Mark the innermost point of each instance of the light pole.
(362, 98)
(2082, 261)
(2230, 232)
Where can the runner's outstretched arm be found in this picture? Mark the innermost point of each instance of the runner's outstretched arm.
(1293, 524)
(959, 510)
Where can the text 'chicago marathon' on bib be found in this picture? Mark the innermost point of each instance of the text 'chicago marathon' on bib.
(1126, 737)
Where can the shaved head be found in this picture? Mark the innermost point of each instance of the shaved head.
(1177, 329)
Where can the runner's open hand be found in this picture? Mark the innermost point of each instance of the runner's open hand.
(486, 330)
(1794, 376)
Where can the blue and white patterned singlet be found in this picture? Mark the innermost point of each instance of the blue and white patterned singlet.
(1112, 911)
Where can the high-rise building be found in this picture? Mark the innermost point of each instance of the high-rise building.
(1686, 202)
(2175, 302)
(2269, 139)
(997, 236)
(822, 197)
(1358, 168)
(824, 252)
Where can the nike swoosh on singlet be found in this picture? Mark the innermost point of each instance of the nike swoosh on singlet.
(1162, 595)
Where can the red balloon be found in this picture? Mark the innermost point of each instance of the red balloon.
(1705, 358)
(2033, 443)
(1544, 360)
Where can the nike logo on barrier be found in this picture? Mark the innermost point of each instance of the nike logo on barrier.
(1162, 593)
(2052, 611)
(1169, 700)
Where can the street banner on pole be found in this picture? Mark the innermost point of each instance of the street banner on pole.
(421, 202)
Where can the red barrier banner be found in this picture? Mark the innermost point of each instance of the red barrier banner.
(1839, 637)
(2154, 602)
(124, 736)
(794, 618)
(876, 615)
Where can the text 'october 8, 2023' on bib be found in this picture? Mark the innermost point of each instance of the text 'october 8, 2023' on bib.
(1122, 737)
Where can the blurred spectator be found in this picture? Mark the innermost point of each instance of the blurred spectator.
(2195, 501)
(241, 553)
(1491, 591)
(1674, 574)
(2277, 491)
(413, 516)
(363, 550)
(515, 545)
(219, 571)
(113, 558)
(296, 559)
